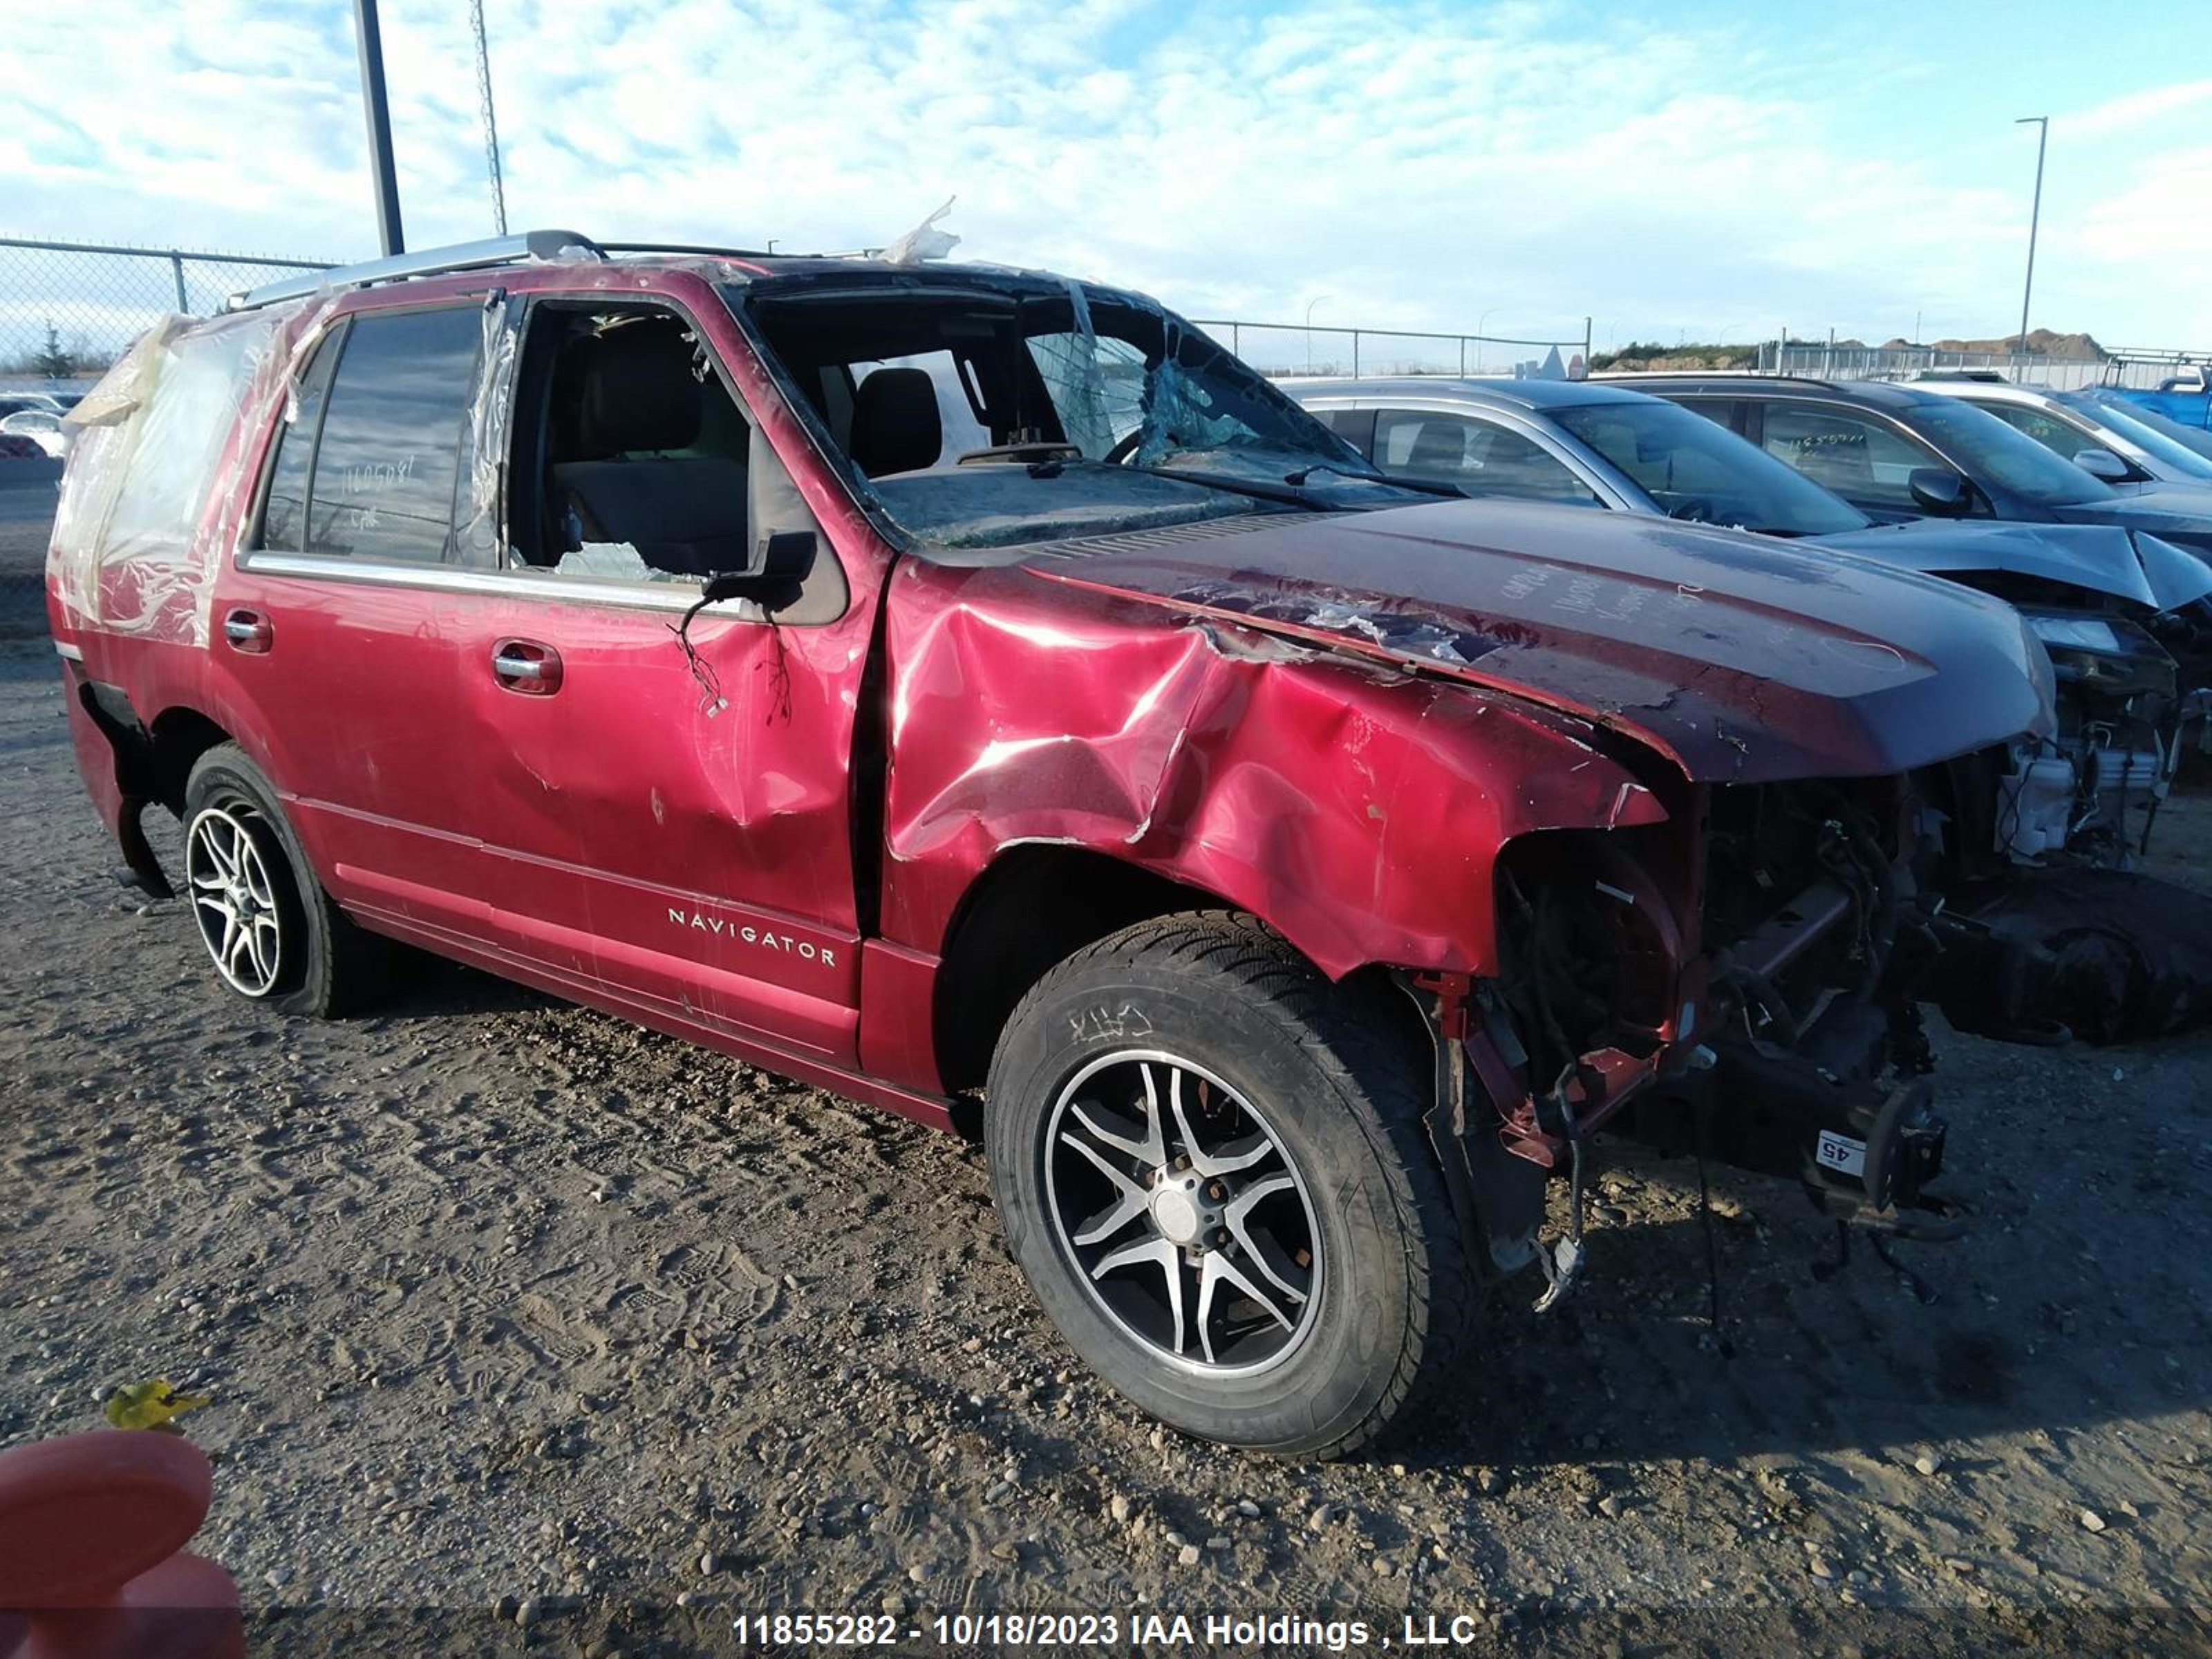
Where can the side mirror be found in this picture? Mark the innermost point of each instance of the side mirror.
(780, 565)
(1939, 491)
(2105, 465)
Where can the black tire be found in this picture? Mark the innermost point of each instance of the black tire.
(1335, 1076)
(325, 964)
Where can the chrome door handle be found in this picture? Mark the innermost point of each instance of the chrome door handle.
(527, 666)
(248, 631)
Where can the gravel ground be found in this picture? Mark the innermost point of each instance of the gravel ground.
(27, 493)
(499, 1298)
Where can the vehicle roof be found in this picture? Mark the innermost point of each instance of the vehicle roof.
(1993, 391)
(732, 265)
(1502, 393)
(1888, 394)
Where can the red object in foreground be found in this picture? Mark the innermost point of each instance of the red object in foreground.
(92, 1534)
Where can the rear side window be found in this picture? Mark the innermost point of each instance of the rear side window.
(2057, 436)
(1861, 459)
(1479, 457)
(1355, 426)
(370, 472)
(284, 519)
(1720, 411)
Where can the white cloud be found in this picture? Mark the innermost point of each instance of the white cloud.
(1420, 164)
(2164, 221)
(2149, 107)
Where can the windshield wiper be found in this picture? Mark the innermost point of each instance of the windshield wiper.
(1420, 487)
(1304, 472)
(1251, 487)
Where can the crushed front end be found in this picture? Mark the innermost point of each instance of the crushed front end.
(1738, 983)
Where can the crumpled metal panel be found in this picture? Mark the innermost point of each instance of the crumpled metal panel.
(1739, 660)
(1360, 808)
(2124, 564)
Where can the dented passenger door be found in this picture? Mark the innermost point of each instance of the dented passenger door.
(663, 794)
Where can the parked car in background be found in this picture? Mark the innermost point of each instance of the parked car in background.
(1910, 450)
(2196, 440)
(1301, 868)
(2099, 431)
(1899, 452)
(15, 401)
(2185, 398)
(2099, 597)
(43, 428)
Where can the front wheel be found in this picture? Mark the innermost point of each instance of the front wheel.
(1209, 1164)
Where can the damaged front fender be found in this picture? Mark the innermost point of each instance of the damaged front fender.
(1358, 809)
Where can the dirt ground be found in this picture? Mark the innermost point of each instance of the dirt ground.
(509, 1308)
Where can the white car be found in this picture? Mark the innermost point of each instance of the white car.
(2103, 435)
(42, 426)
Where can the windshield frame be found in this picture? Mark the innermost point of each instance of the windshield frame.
(2118, 415)
(1755, 462)
(1960, 430)
(1342, 470)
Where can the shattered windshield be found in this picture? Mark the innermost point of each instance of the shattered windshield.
(1696, 469)
(987, 410)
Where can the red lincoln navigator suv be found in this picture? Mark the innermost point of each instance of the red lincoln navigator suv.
(979, 694)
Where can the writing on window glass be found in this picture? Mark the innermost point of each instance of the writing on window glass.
(375, 477)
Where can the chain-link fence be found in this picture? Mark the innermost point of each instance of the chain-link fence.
(1281, 349)
(67, 309)
(2130, 367)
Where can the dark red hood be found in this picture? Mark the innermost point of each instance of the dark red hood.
(1742, 658)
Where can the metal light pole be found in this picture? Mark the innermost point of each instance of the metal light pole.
(1311, 304)
(370, 38)
(1481, 324)
(491, 121)
(2042, 124)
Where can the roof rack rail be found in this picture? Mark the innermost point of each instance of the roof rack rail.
(429, 262)
(707, 248)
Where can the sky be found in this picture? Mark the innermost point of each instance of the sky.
(1702, 169)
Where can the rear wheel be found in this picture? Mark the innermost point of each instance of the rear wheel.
(1210, 1163)
(273, 933)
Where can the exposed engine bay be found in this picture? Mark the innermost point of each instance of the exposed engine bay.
(2093, 792)
(1776, 1029)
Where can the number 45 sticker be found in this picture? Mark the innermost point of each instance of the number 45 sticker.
(1842, 1154)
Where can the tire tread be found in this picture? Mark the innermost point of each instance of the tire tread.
(1372, 1071)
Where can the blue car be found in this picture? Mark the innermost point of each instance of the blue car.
(2185, 398)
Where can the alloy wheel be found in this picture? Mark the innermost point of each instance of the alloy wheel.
(234, 899)
(1182, 1213)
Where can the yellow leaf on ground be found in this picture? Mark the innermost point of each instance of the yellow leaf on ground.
(149, 1405)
